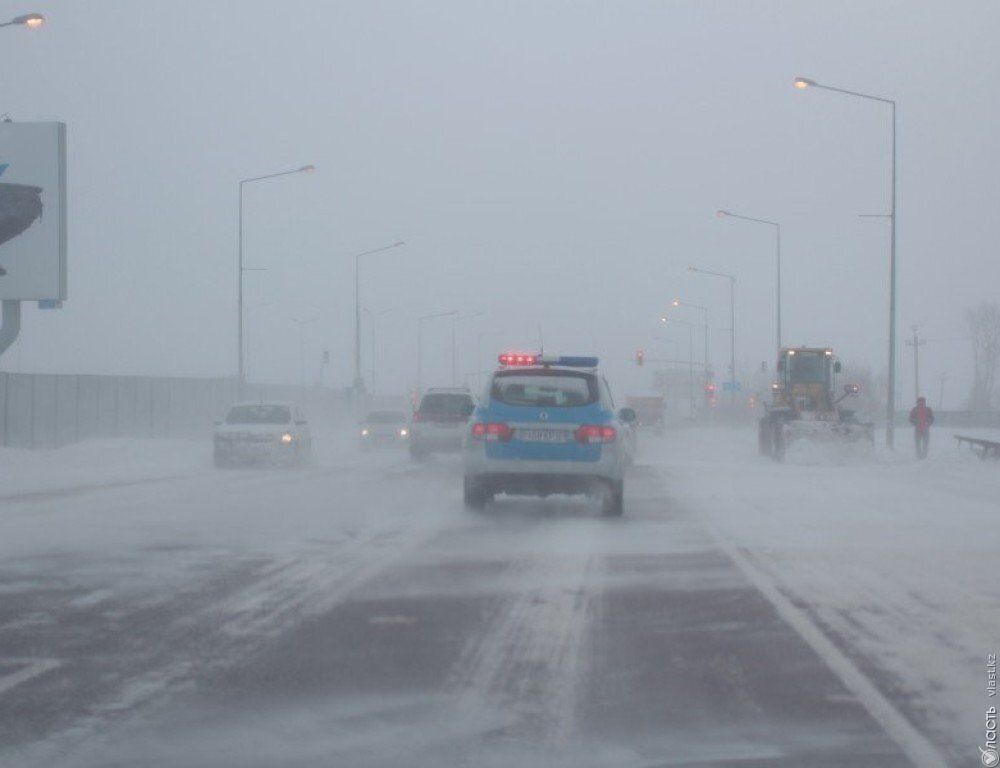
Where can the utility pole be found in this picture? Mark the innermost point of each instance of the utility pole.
(916, 343)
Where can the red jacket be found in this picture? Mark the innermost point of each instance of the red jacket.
(921, 417)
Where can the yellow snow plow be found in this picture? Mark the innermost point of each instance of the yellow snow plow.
(804, 404)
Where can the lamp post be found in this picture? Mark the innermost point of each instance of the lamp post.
(302, 323)
(358, 380)
(29, 20)
(704, 315)
(374, 316)
(802, 83)
(241, 376)
(664, 320)
(420, 344)
(454, 343)
(732, 323)
(722, 214)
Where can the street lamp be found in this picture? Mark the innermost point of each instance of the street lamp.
(241, 269)
(802, 83)
(722, 214)
(664, 320)
(420, 345)
(358, 381)
(704, 314)
(454, 343)
(374, 317)
(29, 20)
(732, 322)
(302, 323)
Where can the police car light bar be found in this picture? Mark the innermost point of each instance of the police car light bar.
(571, 361)
(517, 358)
(514, 359)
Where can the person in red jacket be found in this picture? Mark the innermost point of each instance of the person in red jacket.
(921, 417)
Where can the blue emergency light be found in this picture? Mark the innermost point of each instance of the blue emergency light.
(571, 361)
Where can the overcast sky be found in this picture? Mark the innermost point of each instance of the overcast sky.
(551, 164)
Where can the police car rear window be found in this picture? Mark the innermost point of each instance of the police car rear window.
(544, 389)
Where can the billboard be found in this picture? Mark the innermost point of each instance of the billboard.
(33, 211)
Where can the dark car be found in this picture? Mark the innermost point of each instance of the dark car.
(383, 428)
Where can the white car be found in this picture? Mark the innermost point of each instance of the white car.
(263, 432)
(439, 423)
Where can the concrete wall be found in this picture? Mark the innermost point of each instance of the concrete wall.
(49, 410)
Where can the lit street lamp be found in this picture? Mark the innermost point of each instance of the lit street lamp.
(358, 381)
(29, 20)
(732, 322)
(704, 314)
(722, 214)
(664, 320)
(802, 83)
(241, 269)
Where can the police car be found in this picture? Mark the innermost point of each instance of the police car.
(547, 425)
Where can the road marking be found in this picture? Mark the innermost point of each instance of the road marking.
(29, 668)
(912, 743)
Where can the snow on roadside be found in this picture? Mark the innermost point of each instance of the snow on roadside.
(99, 462)
(893, 556)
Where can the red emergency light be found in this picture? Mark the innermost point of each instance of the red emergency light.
(517, 358)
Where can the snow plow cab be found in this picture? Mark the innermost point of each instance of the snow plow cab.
(805, 405)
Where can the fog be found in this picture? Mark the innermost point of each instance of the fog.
(592, 556)
(547, 165)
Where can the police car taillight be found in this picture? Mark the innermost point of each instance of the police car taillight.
(517, 358)
(492, 431)
(595, 433)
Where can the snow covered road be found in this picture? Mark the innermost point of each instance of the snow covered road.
(354, 613)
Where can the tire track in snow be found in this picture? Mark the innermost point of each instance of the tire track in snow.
(528, 659)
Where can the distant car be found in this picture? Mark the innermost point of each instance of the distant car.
(548, 426)
(383, 428)
(263, 432)
(439, 422)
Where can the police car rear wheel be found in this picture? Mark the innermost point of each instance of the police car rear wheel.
(613, 503)
(474, 494)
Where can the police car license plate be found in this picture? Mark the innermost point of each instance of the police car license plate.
(543, 435)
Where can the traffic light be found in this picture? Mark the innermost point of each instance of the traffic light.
(640, 357)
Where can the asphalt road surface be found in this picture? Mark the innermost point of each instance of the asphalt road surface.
(354, 614)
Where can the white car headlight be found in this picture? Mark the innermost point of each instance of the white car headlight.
(287, 438)
(404, 432)
(364, 432)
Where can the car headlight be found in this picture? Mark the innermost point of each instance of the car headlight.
(364, 432)
(287, 438)
(404, 432)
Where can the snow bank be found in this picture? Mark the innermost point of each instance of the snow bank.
(99, 462)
